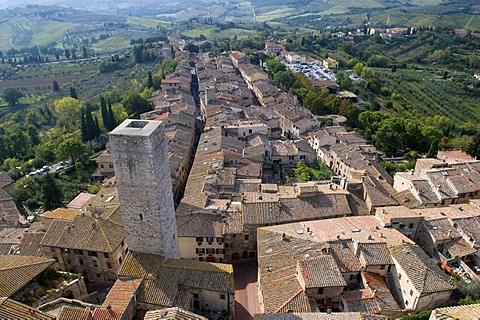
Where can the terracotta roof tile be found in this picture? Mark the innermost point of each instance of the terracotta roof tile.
(13, 310)
(84, 233)
(321, 272)
(425, 275)
(17, 271)
(172, 314)
(73, 313)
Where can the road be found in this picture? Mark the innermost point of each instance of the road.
(247, 303)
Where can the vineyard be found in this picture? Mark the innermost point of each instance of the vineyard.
(420, 96)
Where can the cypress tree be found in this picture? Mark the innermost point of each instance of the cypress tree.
(51, 193)
(150, 80)
(83, 126)
(73, 93)
(111, 117)
(105, 115)
(56, 87)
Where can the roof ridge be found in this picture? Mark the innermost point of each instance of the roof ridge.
(46, 260)
(288, 301)
(100, 227)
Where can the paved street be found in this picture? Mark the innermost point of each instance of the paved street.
(246, 290)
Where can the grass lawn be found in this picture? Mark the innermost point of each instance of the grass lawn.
(320, 172)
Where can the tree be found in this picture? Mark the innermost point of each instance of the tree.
(302, 171)
(56, 87)
(104, 112)
(12, 95)
(470, 289)
(150, 80)
(284, 79)
(51, 193)
(135, 105)
(275, 66)
(73, 149)
(473, 148)
(191, 47)
(67, 112)
(73, 93)
(112, 122)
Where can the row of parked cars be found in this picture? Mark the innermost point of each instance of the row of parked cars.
(54, 168)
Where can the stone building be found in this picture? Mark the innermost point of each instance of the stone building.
(91, 246)
(139, 150)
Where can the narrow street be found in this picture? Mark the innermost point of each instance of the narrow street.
(247, 303)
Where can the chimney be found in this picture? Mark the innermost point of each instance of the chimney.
(284, 236)
(449, 233)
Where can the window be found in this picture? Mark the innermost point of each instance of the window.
(291, 157)
(320, 291)
(406, 302)
(92, 253)
(98, 275)
(246, 237)
(123, 243)
(402, 226)
(199, 239)
(222, 296)
(382, 267)
(66, 250)
(210, 251)
(220, 251)
(399, 276)
(52, 249)
(195, 296)
(141, 216)
(95, 264)
(410, 225)
(200, 251)
(220, 240)
(106, 255)
(210, 239)
(250, 131)
(302, 157)
(110, 166)
(109, 265)
(120, 260)
(69, 261)
(78, 252)
(101, 166)
(411, 292)
(81, 262)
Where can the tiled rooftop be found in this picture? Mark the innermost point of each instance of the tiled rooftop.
(458, 312)
(17, 271)
(74, 313)
(172, 314)
(321, 272)
(425, 275)
(84, 233)
(13, 310)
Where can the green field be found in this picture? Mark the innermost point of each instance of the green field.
(213, 33)
(276, 14)
(23, 32)
(149, 23)
(111, 43)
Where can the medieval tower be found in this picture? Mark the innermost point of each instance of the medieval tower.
(140, 158)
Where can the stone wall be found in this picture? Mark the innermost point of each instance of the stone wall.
(75, 289)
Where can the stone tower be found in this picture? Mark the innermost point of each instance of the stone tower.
(140, 158)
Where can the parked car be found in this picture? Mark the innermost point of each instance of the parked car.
(477, 269)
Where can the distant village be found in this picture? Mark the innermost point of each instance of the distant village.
(192, 207)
